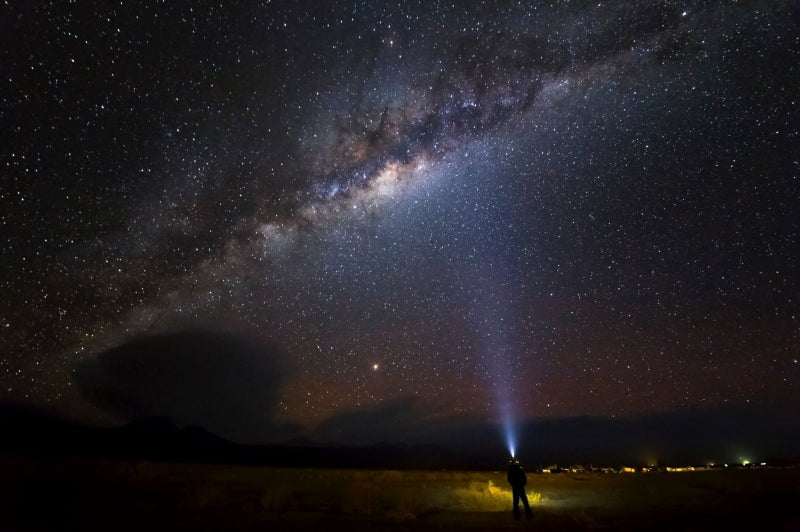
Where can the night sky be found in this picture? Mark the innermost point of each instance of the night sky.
(275, 219)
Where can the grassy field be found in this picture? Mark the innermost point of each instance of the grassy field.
(82, 494)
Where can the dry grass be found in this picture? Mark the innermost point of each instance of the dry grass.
(88, 495)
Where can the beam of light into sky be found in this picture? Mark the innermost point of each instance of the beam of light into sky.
(497, 348)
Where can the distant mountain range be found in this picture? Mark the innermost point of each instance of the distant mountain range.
(729, 435)
(32, 431)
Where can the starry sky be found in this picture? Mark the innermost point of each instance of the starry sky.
(313, 215)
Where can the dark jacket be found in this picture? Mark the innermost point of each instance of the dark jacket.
(516, 476)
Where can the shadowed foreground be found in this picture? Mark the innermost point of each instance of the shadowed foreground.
(82, 494)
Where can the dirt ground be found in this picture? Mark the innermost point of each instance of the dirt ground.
(81, 494)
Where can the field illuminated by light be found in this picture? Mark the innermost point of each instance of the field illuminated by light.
(91, 495)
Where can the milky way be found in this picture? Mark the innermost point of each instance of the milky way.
(474, 211)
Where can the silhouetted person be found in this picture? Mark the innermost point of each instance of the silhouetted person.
(517, 479)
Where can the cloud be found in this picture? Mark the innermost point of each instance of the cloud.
(407, 420)
(226, 384)
(394, 420)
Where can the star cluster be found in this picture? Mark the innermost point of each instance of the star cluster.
(528, 208)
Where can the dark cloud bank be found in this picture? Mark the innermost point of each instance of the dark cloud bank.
(225, 384)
